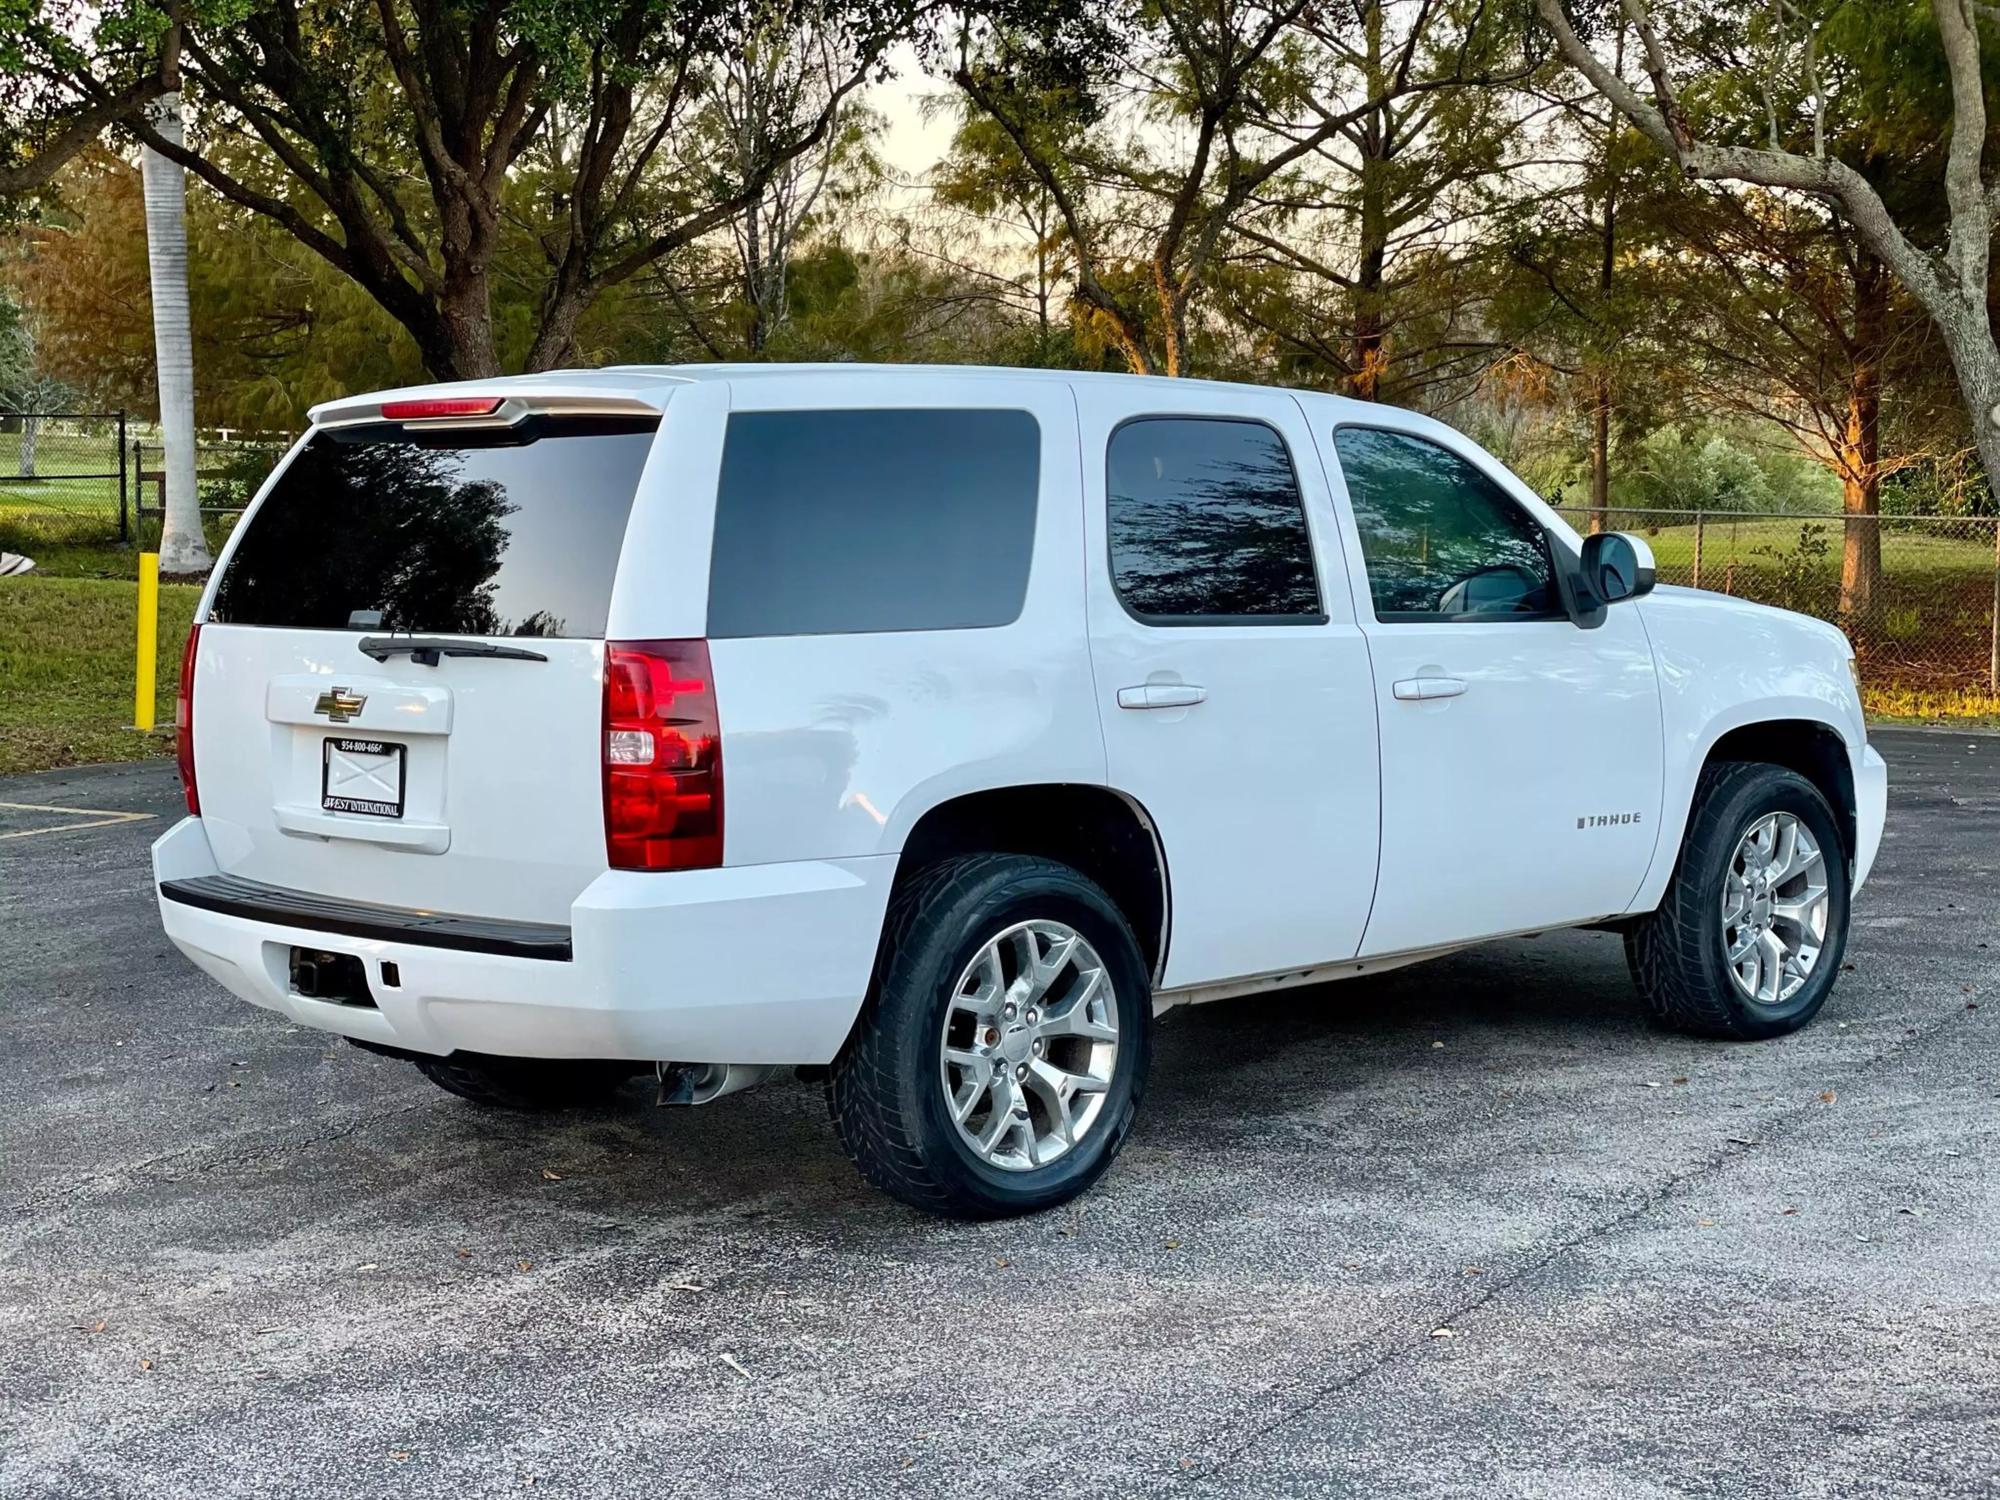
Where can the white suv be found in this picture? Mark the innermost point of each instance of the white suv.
(935, 729)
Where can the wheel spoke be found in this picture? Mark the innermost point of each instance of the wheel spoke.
(1784, 850)
(1054, 1087)
(1047, 969)
(1775, 965)
(1749, 967)
(1080, 1016)
(1000, 1123)
(990, 985)
(1735, 901)
(976, 1078)
(1799, 913)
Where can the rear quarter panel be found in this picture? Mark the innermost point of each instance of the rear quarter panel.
(1725, 663)
(834, 745)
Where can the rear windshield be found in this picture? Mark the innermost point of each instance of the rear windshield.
(513, 531)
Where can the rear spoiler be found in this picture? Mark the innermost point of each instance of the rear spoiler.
(474, 410)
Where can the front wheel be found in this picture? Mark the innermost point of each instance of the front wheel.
(1001, 1054)
(1748, 939)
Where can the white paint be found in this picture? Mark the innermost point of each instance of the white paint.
(1314, 823)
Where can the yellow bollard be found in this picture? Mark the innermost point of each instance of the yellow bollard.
(149, 641)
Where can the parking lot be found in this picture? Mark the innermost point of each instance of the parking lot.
(1469, 1229)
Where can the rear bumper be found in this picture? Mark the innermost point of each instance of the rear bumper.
(1871, 810)
(746, 964)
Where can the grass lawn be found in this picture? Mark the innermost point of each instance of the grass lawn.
(66, 670)
(1911, 547)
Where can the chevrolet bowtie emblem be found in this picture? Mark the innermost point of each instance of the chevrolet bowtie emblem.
(339, 705)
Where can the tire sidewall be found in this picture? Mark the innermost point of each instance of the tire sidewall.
(1044, 893)
(1777, 791)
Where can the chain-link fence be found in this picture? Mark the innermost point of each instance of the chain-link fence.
(1918, 595)
(63, 480)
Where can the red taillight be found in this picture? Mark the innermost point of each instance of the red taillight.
(184, 722)
(662, 757)
(449, 406)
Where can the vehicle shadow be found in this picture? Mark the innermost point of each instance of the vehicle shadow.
(1510, 1010)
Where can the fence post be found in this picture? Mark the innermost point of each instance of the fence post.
(124, 522)
(1700, 529)
(1993, 660)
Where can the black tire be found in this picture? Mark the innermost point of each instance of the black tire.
(885, 1092)
(1676, 953)
(524, 1083)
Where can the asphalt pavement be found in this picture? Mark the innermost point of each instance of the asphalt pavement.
(1468, 1229)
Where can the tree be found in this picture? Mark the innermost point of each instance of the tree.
(1798, 323)
(392, 136)
(1784, 54)
(183, 547)
(56, 99)
(984, 180)
(1380, 237)
(1193, 128)
(1577, 295)
(771, 92)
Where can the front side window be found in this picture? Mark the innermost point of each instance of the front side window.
(847, 522)
(1206, 523)
(1440, 539)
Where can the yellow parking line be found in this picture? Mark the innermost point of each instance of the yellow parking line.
(98, 818)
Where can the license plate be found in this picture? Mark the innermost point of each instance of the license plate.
(362, 776)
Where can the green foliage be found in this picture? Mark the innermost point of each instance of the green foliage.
(66, 670)
(1800, 578)
(1675, 468)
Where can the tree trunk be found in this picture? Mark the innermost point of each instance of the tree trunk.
(1607, 272)
(1370, 341)
(1369, 345)
(1600, 448)
(183, 548)
(1173, 315)
(755, 289)
(1860, 447)
(31, 428)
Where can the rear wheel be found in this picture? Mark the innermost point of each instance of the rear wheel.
(1748, 940)
(525, 1083)
(1001, 1054)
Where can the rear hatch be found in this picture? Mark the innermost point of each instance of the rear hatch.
(398, 685)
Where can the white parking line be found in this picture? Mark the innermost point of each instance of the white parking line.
(97, 817)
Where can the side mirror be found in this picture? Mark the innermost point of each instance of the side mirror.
(1615, 565)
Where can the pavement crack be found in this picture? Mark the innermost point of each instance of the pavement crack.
(1774, 1130)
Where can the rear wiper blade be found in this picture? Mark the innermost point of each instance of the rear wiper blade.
(429, 650)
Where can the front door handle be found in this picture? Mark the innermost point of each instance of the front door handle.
(1162, 695)
(1417, 689)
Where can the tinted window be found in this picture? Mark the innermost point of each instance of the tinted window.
(1205, 520)
(1440, 539)
(834, 522)
(454, 530)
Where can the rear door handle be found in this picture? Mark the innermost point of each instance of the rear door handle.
(1162, 695)
(1414, 689)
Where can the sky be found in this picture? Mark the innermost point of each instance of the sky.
(910, 146)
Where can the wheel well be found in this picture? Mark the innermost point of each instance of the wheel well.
(1813, 750)
(1092, 829)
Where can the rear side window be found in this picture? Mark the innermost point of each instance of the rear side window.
(1206, 523)
(460, 531)
(842, 522)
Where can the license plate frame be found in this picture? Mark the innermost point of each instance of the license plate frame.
(354, 755)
